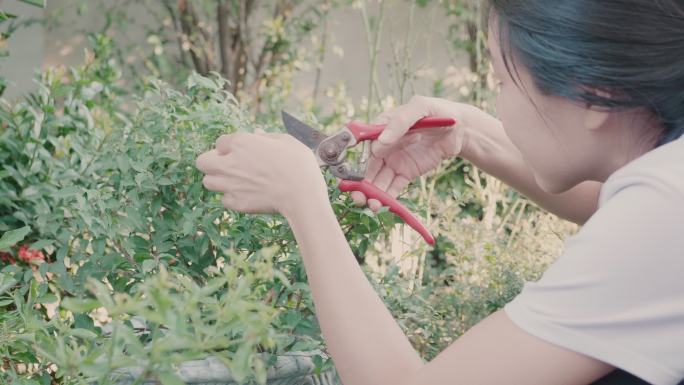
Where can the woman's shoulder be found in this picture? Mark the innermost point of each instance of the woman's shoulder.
(661, 169)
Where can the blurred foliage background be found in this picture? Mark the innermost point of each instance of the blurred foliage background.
(113, 254)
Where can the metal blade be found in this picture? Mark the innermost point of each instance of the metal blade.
(304, 133)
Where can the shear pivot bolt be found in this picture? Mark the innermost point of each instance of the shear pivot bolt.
(345, 136)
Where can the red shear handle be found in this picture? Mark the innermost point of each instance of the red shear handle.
(364, 131)
(372, 192)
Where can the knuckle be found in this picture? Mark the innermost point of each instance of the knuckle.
(223, 138)
(358, 197)
(400, 120)
(223, 142)
(239, 137)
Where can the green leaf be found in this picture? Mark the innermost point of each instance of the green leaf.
(47, 298)
(37, 3)
(41, 243)
(123, 163)
(6, 282)
(77, 305)
(321, 364)
(164, 181)
(240, 368)
(12, 237)
(148, 265)
(83, 321)
(84, 334)
(6, 16)
(67, 191)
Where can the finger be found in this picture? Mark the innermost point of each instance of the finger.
(398, 185)
(227, 201)
(216, 183)
(382, 181)
(400, 122)
(374, 205)
(374, 165)
(359, 198)
(211, 162)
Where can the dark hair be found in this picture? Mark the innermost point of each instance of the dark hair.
(633, 49)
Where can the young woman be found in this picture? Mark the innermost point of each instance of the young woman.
(591, 109)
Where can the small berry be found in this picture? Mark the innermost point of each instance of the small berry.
(27, 255)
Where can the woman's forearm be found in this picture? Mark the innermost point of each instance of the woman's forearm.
(365, 342)
(489, 148)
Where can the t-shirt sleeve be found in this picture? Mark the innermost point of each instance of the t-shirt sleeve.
(616, 293)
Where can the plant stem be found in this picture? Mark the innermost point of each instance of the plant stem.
(373, 50)
(321, 56)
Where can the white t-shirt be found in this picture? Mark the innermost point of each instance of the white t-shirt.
(616, 293)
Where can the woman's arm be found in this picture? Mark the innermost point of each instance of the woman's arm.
(366, 343)
(488, 147)
(369, 348)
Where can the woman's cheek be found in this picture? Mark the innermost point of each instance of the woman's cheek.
(512, 119)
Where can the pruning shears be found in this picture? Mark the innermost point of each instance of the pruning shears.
(331, 152)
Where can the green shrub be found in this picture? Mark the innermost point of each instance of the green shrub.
(107, 188)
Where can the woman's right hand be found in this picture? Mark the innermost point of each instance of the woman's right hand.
(399, 156)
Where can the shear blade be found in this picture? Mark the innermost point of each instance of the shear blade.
(303, 132)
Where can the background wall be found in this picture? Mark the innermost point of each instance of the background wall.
(348, 60)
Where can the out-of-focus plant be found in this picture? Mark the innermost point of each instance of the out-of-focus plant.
(224, 317)
(256, 46)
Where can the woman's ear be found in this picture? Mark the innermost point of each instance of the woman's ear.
(596, 116)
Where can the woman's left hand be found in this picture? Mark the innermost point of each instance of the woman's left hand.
(261, 172)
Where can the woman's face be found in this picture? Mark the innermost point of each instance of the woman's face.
(553, 140)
